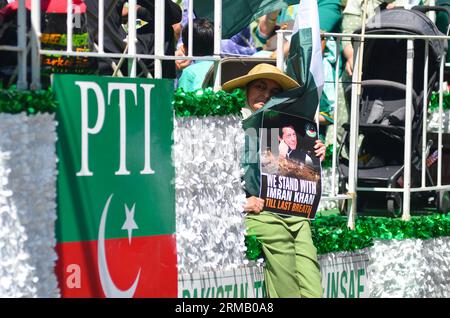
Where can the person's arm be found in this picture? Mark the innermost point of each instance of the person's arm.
(266, 25)
(286, 46)
(323, 120)
(268, 22)
(348, 54)
(181, 64)
(254, 205)
(351, 20)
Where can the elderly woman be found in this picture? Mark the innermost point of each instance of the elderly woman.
(292, 269)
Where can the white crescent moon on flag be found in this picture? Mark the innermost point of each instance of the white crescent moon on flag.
(109, 288)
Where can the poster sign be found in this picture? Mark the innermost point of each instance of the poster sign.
(290, 170)
(115, 195)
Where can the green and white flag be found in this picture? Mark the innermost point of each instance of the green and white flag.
(304, 64)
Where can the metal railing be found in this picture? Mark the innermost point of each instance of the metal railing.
(407, 188)
(21, 47)
(130, 53)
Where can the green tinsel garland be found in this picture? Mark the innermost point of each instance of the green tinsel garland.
(13, 101)
(331, 234)
(206, 102)
(434, 102)
(202, 102)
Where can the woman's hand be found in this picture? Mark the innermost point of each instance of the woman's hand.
(181, 64)
(320, 149)
(254, 205)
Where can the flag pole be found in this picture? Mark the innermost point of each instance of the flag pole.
(217, 44)
(361, 46)
(354, 122)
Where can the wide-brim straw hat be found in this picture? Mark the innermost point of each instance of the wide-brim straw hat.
(262, 70)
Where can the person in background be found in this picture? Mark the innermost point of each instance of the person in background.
(239, 44)
(146, 34)
(115, 35)
(352, 17)
(351, 20)
(263, 30)
(292, 268)
(203, 45)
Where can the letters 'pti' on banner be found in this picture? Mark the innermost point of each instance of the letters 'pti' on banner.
(116, 200)
(290, 171)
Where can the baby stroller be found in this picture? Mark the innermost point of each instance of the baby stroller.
(382, 114)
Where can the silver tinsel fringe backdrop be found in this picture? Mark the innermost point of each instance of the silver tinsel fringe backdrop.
(27, 206)
(209, 194)
(410, 268)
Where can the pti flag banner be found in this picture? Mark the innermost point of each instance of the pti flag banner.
(116, 200)
(304, 64)
(290, 171)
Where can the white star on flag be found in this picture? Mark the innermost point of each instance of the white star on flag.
(129, 224)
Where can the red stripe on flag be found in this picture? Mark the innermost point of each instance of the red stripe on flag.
(155, 256)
